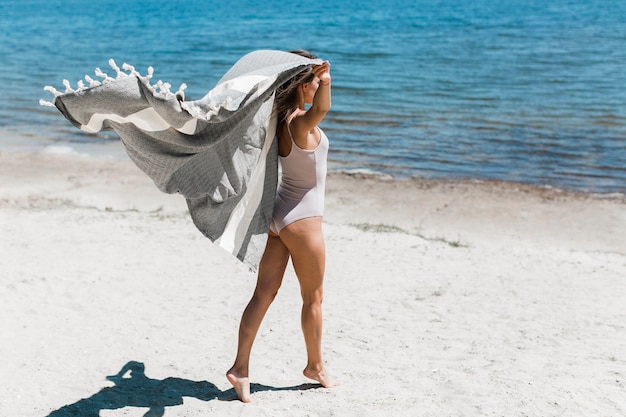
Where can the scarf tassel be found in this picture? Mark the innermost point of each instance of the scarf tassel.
(159, 89)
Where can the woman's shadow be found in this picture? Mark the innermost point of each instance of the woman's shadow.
(134, 389)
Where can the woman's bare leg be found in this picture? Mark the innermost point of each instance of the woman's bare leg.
(270, 276)
(305, 242)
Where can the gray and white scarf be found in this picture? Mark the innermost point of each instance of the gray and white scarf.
(219, 152)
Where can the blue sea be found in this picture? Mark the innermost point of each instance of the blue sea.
(517, 90)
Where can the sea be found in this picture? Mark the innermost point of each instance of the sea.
(523, 91)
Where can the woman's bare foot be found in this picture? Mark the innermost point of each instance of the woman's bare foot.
(320, 376)
(241, 385)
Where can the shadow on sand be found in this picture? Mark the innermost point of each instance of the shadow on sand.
(134, 389)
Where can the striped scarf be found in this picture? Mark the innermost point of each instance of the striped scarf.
(218, 152)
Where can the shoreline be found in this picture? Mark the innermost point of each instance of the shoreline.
(115, 151)
(107, 149)
(546, 191)
(447, 210)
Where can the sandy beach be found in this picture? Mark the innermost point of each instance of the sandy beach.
(442, 298)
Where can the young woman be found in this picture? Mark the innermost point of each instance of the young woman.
(296, 229)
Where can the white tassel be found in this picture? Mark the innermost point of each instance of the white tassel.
(117, 69)
(160, 88)
(102, 75)
(114, 65)
(131, 70)
(181, 92)
(68, 87)
(146, 79)
(52, 90)
(91, 81)
(165, 88)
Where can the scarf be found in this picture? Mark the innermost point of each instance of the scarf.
(218, 152)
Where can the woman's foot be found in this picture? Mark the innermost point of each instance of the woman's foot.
(241, 385)
(320, 376)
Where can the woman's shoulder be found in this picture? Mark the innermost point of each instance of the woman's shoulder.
(297, 123)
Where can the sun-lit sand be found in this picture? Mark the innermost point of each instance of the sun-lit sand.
(441, 299)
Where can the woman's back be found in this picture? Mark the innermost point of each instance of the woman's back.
(303, 183)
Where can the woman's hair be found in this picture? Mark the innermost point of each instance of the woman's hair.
(287, 94)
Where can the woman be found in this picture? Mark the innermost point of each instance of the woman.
(296, 229)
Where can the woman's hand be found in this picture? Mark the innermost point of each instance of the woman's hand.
(322, 72)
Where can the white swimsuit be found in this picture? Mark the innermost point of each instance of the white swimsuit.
(303, 182)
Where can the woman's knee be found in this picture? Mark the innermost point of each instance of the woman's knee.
(267, 292)
(312, 297)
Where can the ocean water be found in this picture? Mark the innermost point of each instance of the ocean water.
(516, 90)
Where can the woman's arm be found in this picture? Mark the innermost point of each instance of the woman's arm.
(307, 121)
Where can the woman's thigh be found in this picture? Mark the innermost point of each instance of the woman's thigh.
(305, 241)
(273, 264)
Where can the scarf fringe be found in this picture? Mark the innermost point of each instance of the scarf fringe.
(159, 89)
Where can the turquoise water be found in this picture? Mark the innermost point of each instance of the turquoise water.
(522, 90)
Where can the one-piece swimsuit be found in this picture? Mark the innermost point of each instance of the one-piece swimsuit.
(303, 182)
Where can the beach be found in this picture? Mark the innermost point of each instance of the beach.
(442, 298)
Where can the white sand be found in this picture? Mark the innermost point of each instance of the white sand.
(442, 299)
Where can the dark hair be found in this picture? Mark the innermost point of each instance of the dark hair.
(287, 94)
